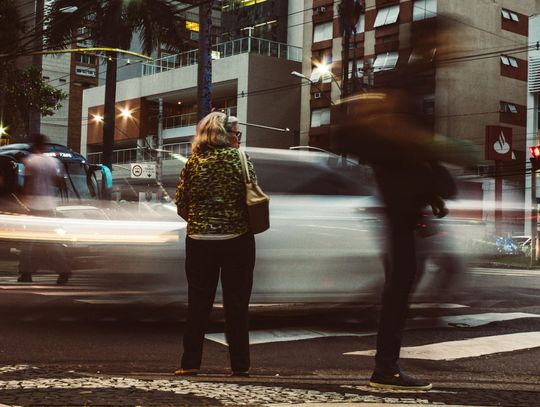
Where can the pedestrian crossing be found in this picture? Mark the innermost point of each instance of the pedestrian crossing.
(440, 350)
(466, 348)
(504, 272)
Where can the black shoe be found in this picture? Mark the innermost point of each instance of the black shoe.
(240, 374)
(63, 278)
(397, 381)
(25, 278)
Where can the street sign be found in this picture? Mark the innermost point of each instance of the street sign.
(143, 170)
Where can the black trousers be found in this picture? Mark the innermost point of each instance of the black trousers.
(205, 259)
(403, 188)
(34, 255)
(400, 278)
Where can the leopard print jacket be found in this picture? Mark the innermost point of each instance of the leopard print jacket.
(211, 191)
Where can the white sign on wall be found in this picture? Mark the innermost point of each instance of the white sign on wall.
(143, 170)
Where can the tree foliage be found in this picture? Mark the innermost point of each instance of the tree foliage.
(25, 91)
(112, 23)
(21, 91)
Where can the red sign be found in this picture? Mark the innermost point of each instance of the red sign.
(498, 143)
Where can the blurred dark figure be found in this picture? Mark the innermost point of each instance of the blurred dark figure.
(386, 128)
(43, 174)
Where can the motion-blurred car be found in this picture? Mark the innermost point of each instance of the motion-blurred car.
(325, 243)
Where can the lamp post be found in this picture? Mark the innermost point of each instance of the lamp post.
(302, 76)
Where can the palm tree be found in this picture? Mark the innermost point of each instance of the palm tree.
(111, 23)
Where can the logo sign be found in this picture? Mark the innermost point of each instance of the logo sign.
(144, 171)
(498, 143)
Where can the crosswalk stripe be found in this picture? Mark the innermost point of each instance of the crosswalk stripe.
(467, 348)
(468, 320)
(504, 272)
(285, 335)
(292, 334)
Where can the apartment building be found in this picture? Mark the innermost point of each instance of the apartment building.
(477, 89)
(251, 79)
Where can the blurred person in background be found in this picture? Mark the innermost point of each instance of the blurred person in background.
(210, 196)
(42, 177)
(386, 128)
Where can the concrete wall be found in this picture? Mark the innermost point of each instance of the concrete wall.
(250, 73)
(270, 104)
(468, 92)
(57, 69)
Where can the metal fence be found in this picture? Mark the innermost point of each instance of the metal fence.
(139, 154)
(224, 50)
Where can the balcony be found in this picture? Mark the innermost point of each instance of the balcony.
(223, 50)
(137, 154)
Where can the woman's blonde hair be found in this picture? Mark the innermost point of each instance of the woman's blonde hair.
(213, 132)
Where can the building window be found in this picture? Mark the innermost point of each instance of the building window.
(318, 74)
(424, 9)
(83, 37)
(509, 61)
(323, 32)
(86, 59)
(62, 80)
(387, 15)
(361, 24)
(320, 117)
(505, 107)
(385, 61)
(509, 15)
(229, 5)
(85, 71)
(359, 68)
(192, 26)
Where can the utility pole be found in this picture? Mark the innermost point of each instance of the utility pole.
(535, 165)
(534, 214)
(349, 13)
(204, 69)
(159, 156)
(34, 125)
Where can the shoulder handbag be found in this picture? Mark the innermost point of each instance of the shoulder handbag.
(256, 200)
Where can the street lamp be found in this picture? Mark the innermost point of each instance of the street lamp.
(302, 76)
(125, 113)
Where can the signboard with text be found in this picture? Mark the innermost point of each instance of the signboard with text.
(143, 170)
(498, 143)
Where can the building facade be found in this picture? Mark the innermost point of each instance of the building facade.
(477, 89)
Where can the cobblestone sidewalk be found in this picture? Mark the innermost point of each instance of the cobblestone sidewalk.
(23, 385)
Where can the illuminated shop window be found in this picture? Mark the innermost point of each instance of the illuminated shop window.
(192, 26)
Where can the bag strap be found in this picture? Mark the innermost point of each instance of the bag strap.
(243, 164)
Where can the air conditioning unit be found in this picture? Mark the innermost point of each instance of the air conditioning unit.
(321, 9)
(317, 95)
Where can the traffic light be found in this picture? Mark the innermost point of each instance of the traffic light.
(535, 159)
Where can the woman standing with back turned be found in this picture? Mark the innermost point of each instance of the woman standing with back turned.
(210, 196)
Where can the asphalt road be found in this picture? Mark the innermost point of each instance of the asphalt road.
(314, 352)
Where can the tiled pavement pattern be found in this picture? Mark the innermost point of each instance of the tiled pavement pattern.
(23, 385)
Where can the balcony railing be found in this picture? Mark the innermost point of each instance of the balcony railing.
(181, 120)
(138, 154)
(189, 119)
(224, 50)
